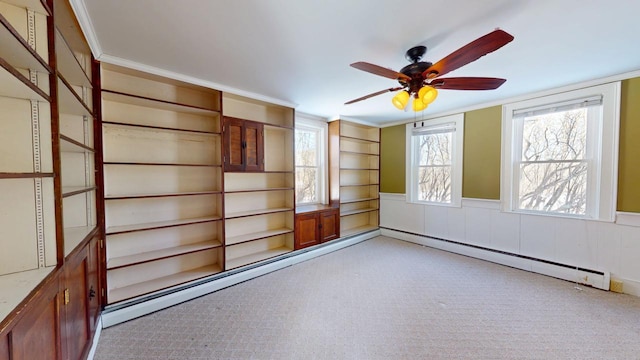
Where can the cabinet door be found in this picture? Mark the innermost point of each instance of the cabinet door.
(76, 307)
(307, 227)
(93, 283)
(233, 144)
(37, 335)
(329, 225)
(253, 146)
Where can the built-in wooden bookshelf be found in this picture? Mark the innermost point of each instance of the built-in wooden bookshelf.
(259, 200)
(163, 182)
(354, 164)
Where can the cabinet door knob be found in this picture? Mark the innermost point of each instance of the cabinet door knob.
(92, 293)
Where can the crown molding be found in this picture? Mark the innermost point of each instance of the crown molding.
(80, 10)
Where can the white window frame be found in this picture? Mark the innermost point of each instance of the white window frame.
(309, 123)
(457, 122)
(603, 166)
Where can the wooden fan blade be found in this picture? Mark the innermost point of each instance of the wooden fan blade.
(467, 83)
(379, 70)
(372, 95)
(469, 53)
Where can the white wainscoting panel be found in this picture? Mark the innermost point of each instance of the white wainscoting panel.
(611, 248)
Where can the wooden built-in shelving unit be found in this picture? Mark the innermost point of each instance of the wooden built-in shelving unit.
(259, 204)
(354, 171)
(163, 182)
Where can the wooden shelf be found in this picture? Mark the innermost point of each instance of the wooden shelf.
(358, 153)
(357, 200)
(158, 225)
(130, 99)
(360, 185)
(256, 236)
(18, 286)
(258, 190)
(68, 144)
(155, 164)
(240, 214)
(4, 175)
(36, 5)
(255, 257)
(357, 230)
(140, 258)
(357, 211)
(130, 291)
(199, 132)
(144, 196)
(21, 55)
(76, 190)
(15, 85)
(75, 235)
(68, 65)
(357, 169)
(359, 139)
(68, 100)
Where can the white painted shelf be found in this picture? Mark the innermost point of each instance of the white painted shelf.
(13, 85)
(255, 257)
(160, 254)
(118, 294)
(256, 236)
(159, 224)
(357, 211)
(256, 212)
(20, 285)
(74, 236)
(357, 230)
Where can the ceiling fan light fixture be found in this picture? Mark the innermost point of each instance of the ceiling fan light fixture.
(427, 94)
(418, 104)
(400, 100)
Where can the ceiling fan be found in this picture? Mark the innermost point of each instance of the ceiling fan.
(420, 79)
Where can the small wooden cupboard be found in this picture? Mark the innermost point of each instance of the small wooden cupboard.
(316, 224)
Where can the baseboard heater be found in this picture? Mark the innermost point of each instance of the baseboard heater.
(589, 277)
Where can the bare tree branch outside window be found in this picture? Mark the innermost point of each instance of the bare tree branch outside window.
(306, 159)
(434, 167)
(554, 164)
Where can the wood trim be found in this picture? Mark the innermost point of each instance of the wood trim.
(155, 164)
(25, 175)
(99, 179)
(361, 139)
(258, 190)
(159, 101)
(79, 191)
(76, 143)
(358, 153)
(147, 196)
(24, 80)
(162, 128)
(22, 41)
(166, 224)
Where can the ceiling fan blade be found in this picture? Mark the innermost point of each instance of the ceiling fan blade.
(469, 53)
(372, 95)
(467, 83)
(379, 70)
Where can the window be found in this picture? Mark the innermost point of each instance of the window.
(560, 153)
(434, 161)
(310, 160)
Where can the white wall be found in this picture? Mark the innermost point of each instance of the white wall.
(595, 245)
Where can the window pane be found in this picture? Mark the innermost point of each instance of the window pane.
(555, 136)
(306, 148)
(554, 187)
(306, 185)
(434, 184)
(435, 149)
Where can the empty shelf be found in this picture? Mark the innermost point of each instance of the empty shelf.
(257, 235)
(259, 256)
(160, 254)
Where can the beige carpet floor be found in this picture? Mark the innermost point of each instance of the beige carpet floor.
(388, 299)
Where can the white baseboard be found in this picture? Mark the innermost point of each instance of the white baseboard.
(136, 309)
(600, 281)
(96, 338)
(631, 287)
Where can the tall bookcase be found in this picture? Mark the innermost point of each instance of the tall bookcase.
(354, 172)
(163, 182)
(259, 203)
(49, 234)
(27, 192)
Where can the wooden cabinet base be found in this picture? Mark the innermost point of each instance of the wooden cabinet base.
(315, 225)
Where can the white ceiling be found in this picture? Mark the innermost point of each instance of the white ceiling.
(298, 51)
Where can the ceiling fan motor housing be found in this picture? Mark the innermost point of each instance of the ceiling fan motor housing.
(414, 71)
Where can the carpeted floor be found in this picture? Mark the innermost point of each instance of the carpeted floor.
(388, 299)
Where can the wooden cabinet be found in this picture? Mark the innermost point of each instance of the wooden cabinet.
(243, 145)
(315, 225)
(354, 172)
